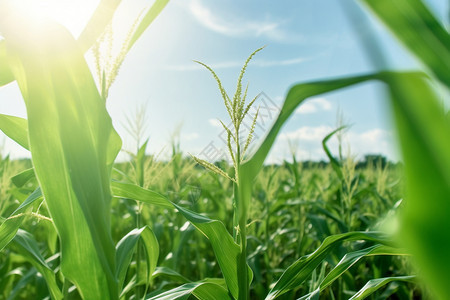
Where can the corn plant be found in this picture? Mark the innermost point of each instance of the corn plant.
(73, 170)
(73, 146)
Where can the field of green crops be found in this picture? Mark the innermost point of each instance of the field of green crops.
(77, 224)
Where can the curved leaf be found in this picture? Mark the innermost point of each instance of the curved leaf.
(9, 227)
(201, 290)
(6, 76)
(23, 177)
(424, 133)
(101, 18)
(333, 161)
(374, 284)
(169, 273)
(72, 143)
(149, 17)
(15, 128)
(353, 257)
(225, 249)
(126, 248)
(29, 249)
(414, 25)
(299, 271)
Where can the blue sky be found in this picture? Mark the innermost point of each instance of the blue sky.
(305, 40)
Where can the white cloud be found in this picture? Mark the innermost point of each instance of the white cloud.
(314, 105)
(215, 123)
(309, 142)
(307, 133)
(239, 28)
(190, 136)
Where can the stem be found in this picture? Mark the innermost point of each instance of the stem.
(242, 215)
(140, 178)
(235, 212)
(242, 268)
(138, 254)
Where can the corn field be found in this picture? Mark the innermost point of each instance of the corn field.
(78, 224)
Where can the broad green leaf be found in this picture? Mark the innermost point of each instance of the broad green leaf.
(424, 135)
(72, 143)
(225, 249)
(201, 290)
(134, 192)
(126, 248)
(414, 25)
(9, 227)
(28, 248)
(299, 271)
(374, 284)
(6, 75)
(15, 128)
(296, 95)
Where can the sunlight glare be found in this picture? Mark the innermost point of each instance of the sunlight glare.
(73, 15)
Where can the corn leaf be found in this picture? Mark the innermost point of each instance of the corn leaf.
(127, 246)
(169, 273)
(134, 192)
(333, 161)
(374, 284)
(424, 133)
(15, 128)
(28, 248)
(148, 18)
(72, 144)
(9, 227)
(201, 290)
(415, 26)
(101, 18)
(225, 249)
(299, 271)
(351, 258)
(23, 177)
(6, 75)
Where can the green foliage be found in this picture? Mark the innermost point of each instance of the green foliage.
(256, 230)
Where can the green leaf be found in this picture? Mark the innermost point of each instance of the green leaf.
(334, 163)
(126, 248)
(149, 17)
(424, 135)
(374, 284)
(73, 145)
(15, 128)
(299, 271)
(225, 249)
(169, 273)
(414, 25)
(101, 18)
(28, 248)
(6, 75)
(351, 258)
(201, 290)
(134, 192)
(23, 177)
(9, 227)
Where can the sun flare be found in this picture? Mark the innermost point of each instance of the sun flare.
(73, 15)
